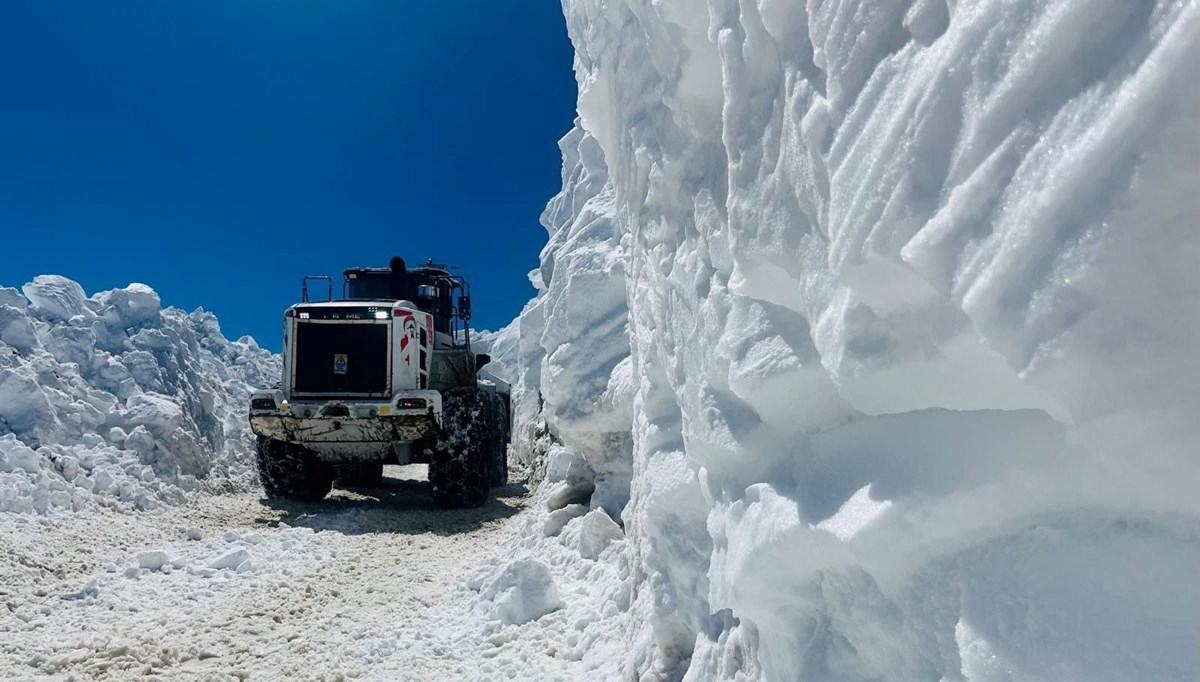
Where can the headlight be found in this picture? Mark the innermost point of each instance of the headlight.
(262, 404)
(411, 404)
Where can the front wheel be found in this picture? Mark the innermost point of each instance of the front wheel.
(458, 469)
(292, 472)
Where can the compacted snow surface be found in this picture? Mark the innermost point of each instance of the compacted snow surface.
(864, 348)
(361, 586)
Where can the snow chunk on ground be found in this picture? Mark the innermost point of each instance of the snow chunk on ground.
(518, 591)
(153, 560)
(596, 532)
(230, 559)
(559, 518)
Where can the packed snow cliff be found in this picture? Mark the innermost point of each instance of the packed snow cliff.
(114, 400)
(873, 323)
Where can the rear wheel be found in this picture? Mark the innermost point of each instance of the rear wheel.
(499, 440)
(292, 472)
(458, 468)
(360, 475)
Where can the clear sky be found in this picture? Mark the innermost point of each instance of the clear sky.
(219, 150)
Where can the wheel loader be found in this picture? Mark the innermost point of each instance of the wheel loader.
(383, 374)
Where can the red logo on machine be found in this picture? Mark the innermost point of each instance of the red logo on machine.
(410, 332)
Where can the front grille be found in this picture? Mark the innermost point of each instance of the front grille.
(341, 360)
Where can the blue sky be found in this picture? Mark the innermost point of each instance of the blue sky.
(220, 150)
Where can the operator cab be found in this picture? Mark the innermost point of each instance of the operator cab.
(430, 287)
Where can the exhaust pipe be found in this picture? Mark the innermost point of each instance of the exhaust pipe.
(399, 278)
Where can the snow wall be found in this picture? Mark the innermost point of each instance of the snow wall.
(114, 400)
(875, 324)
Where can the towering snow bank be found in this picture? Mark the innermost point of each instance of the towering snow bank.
(908, 385)
(567, 354)
(114, 398)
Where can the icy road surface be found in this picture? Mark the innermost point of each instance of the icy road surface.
(356, 587)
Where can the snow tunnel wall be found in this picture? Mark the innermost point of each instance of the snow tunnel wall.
(881, 315)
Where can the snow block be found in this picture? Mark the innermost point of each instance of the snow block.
(519, 591)
(559, 518)
(16, 456)
(135, 305)
(231, 559)
(157, 412)
(56, 296)
(153, 560)
(565, 494)
(24, 406)
(11, 297)
(16, 329)
(597, 531)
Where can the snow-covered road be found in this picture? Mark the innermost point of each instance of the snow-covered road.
(367, 587)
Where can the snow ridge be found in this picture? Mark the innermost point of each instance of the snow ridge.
(873, 324)
(111, 399)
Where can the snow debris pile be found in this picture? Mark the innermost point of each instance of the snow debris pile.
(234, 553)
(551, 598)
(114, 399)
(871, 328)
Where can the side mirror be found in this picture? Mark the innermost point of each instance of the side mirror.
(481, 360)
(464, 307)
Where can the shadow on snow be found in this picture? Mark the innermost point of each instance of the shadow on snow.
(401, 505)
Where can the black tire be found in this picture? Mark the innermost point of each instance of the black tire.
(291, 472)
(458, 469)
(360, 475)
(498, 471)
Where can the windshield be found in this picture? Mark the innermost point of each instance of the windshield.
(370, 285)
